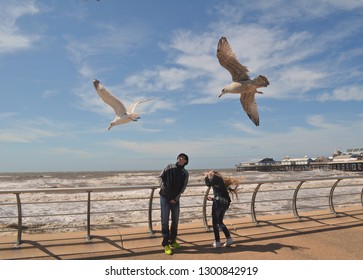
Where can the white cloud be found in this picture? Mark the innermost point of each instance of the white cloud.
(73, 152)
(354, 93)
(158, 80)
(49, 93)
(12, 38)
(282, 11)
(295, 81)
(32, 130)
(25, 135)
(7, 115)
(106, 40)
(345, 4)
(319, 121)
(169, 121)
(244, 127)
(162, 148)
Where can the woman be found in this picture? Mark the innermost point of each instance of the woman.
(221, 201)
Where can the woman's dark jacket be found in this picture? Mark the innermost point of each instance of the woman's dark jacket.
(220, 191)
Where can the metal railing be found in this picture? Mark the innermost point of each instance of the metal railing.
(262, 196)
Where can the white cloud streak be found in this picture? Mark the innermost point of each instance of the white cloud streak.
(354, 93)
(12, 38)
(106, 40)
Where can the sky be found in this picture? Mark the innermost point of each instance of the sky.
(51, 118)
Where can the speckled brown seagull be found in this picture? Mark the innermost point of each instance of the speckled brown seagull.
(242, 84)
(123, 115)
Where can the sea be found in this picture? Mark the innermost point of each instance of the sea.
(46, 215)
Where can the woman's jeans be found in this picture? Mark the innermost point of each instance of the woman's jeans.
(169, 236)
(218, 211)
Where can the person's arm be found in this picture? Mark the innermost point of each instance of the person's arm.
(162, 177)
(185, 185)
(211, 180)
(163, 180)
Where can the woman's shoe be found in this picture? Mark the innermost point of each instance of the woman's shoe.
(228, 242)
(217, 244)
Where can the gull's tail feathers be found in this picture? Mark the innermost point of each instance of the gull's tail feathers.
(134, 116)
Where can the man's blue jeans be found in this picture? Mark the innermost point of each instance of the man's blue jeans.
(169, 235)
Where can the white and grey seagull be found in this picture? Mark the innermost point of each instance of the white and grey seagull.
(241, 82)
(123, 115)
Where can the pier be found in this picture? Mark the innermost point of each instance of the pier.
(343, 166)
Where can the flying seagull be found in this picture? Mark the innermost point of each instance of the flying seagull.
(122, 115)
(242, 84)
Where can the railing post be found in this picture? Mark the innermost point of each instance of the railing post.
(294, 204)
(331, 204)
(20, 221)
(88, 237)
(204, 210)
(150, 212)
(253, 201)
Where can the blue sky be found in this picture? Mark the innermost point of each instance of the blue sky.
(51, 118)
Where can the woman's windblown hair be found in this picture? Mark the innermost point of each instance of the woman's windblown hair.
(231, 185)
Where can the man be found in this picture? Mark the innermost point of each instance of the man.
(173, 181)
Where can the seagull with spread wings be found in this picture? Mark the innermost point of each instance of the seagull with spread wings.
(241, 82)
(123, 115)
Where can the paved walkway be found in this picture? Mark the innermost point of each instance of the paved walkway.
(317, 236)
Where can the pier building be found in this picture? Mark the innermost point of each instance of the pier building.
(349, 160)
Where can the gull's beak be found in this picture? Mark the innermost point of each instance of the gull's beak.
(109, 127)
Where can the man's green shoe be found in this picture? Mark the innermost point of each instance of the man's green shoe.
(176, 245)
(168, 250)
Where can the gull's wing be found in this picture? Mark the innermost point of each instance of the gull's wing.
(108, 98)
(228, 60)
(132, 107)
(249, 104)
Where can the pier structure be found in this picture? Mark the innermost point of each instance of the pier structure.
(279, 166)
(349, 160)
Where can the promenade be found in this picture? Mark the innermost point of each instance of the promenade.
(318, 235)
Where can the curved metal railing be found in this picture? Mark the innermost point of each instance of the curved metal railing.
(262, 196)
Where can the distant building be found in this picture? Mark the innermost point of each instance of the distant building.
(266, 161)
(349, 155)
(337, 153)
(344, 158)
(245, 164)
(321, 159)
(296, 161)
(354, 152)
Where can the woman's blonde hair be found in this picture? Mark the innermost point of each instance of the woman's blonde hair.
(229, 182)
